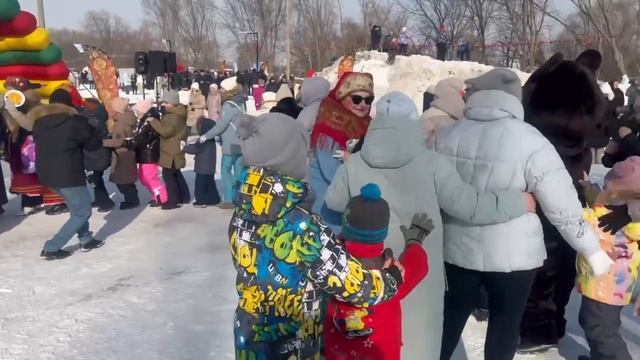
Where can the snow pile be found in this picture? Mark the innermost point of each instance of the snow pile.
(411, 75)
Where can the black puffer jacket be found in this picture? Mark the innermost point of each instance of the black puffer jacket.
(61, 136)
(146, 141)
(100, 159)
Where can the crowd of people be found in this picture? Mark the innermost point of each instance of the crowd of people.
(487, 188)
(399, 44)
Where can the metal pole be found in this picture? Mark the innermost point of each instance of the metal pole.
(41, 22)
(257, 52)
(288, 9)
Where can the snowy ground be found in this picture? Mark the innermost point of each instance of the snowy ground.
(161, 288)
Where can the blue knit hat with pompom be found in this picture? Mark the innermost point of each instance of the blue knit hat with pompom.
(366, 218)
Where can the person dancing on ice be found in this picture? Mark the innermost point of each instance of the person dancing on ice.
(375, 332)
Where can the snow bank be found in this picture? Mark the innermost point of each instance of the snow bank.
(411, 75)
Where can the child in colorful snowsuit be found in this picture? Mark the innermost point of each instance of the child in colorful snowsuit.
(374, 332)
(604, 297)
(286, 258)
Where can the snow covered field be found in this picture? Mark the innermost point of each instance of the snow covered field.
(161, 288)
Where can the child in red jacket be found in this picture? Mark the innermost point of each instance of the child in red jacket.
(374, 333)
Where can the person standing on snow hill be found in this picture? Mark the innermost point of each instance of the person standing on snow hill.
(146, 143)
(445, 109)
(343, 115)
(61, 135)
(233, 105)
(374, 332)
(286, 258)
(376, 38)
(314, 90)
(493, 148)
(604, 297)
(172, 129)
(404, 41)
(197, 104)
(442, 43)
(416, 180)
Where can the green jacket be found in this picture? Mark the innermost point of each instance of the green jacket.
(172, 130)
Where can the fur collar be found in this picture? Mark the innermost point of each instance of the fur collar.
(41, 111)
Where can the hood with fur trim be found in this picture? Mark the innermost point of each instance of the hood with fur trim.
(45, 110)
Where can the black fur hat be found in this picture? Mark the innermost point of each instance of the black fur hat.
(563, 101)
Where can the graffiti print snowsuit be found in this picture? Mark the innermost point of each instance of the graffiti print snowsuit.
(286, 260)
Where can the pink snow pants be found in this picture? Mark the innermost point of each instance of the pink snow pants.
(148, 176)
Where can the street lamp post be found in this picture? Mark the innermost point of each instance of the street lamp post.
(255, 33)
(41, 22)
(167, 43)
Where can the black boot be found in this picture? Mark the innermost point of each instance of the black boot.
(55, 255)
(57, 209)
(106, 208)
(128, 206)
(171, 206)
(93, 244)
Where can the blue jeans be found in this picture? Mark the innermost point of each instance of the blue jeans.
(229, 163)
(78, 201)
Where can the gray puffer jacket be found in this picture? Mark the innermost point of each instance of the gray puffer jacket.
(227, 124)
(495, 150)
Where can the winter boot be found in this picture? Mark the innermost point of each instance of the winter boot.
(171, 207)
(128, 206)
(55, 255)
(57, 209)
(93, 244)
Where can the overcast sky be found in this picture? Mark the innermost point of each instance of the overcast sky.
(69, 13)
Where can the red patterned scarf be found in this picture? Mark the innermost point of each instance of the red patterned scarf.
(338, 124)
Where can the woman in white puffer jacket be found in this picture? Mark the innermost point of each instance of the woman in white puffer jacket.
(493, 149)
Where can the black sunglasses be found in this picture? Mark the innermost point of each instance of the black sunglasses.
(357, 99)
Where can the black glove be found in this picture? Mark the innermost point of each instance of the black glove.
(392, 271)
(153, 113)
(395, 273)
(614, 221)
(421, 227)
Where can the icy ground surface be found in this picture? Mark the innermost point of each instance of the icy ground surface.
(161, 288)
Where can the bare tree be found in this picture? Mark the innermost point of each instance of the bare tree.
(108, 29)
(429, 14)
(315, 29)
(523, 21)
(481, 16)
(190, 27)
(601, 17)
(266, 17)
